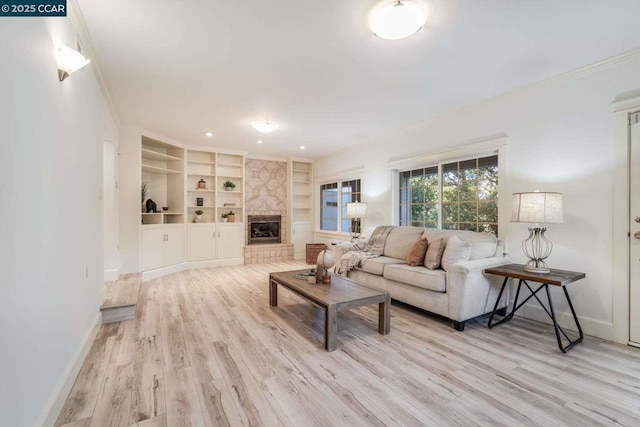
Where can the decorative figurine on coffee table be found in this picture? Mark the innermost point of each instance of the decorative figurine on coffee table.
(326, 259)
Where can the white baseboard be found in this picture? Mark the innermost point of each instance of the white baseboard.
(215, 263)
(159, 272)
(56, 401)
(593, 327)
(111, 275)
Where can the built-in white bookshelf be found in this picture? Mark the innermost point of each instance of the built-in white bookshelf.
(301, 191)
(162, 169)
(301, 177)
(185, 181)
(201, 184)
(230, 167)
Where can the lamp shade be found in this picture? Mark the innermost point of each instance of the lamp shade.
(394, 20)
(537, 207)
(356, 210)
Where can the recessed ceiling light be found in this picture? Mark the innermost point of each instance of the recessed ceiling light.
(260, 141)
(302, 147)
(265, 126)
(209, 135)
(397, 19)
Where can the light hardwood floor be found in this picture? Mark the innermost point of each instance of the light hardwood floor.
(206, 349)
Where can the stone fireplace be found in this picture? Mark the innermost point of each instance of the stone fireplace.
(264, 229)
(267, 190)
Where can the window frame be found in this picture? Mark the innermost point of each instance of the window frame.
(339, 219)
(478, 148)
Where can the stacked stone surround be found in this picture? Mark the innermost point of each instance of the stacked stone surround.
(268, 253)
(266, 192)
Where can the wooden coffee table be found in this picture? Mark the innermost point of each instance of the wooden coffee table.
(342, 294)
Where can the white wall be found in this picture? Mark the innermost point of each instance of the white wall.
(560, 138)
(51, 248)
(110, 211)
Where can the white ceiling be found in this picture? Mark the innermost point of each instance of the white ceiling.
(180, 68)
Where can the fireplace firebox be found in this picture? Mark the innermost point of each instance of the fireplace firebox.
(264, 229)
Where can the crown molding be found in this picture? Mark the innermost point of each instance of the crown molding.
(626, 101)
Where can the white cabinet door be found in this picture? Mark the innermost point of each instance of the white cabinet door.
(301, 234)
(202, 242)
(152, 246)
(173, 244)
(230, 240)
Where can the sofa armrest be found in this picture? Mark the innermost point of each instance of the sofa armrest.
(344, 247)
(479, 264)
(473, 293)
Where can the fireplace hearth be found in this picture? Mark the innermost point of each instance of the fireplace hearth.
(264, 229)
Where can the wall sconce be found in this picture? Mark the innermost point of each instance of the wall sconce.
(69, 61)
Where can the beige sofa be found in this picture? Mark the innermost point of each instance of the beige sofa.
(460, 293)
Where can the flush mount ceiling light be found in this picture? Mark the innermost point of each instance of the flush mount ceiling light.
(259, 141)
(302, 147)
(68, 61)
(209, 135)
(397, 19)
(265, 126)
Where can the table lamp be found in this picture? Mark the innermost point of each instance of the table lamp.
(538, 208)
(356, 211)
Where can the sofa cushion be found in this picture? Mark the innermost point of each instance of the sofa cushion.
(456, 251)
(417, 253)
(376, 265)
(434, 253)
(483, 245)
(400, 241)
(420, 277)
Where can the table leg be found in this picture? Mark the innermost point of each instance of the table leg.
(384, 316)
(331, 327)
(495, 307)
(573, 312)
(559, 329)
(273, 293)
(509, 316)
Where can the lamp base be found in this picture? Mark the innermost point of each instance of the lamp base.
(354, 230)
(539, 270)
(537, 248)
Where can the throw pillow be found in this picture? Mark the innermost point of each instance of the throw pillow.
(456, 251)
(434, 253)
(417, 253)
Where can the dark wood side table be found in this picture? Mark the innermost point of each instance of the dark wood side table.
(555, 278)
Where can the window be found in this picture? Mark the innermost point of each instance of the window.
(457, 195)
(334, 195)
(329, 207)
(350, 193)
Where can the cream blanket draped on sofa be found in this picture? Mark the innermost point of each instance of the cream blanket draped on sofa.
(374, 248)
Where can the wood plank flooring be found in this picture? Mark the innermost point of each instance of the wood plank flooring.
(206, 349)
